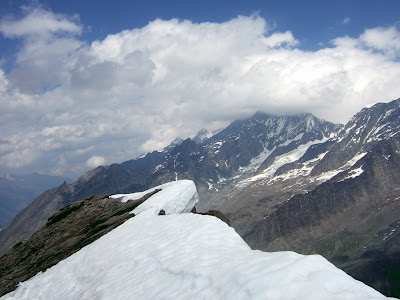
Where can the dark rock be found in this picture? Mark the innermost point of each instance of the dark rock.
(217, 214)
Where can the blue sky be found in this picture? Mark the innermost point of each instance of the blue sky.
(84, 83)
(311, 21)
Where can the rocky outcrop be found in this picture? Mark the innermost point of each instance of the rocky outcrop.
(64, 233)
(214, 213)
(103, 180)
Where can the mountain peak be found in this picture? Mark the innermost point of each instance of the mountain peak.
(378, 122)
(259, 114)
(203, 135)
(177, 141)
(378, 104)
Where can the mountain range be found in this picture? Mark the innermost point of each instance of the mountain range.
(286, 183)
(17, 191)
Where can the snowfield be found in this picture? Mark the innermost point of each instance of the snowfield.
(186, 256)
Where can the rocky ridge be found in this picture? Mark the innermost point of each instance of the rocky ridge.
(64, 233)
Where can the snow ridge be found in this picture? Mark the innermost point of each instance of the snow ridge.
(186, 256)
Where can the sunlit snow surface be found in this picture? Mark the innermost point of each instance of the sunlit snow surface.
(174, 198)
(187, 256)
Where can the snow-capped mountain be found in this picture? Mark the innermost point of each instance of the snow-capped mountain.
(301, 170)
(181, 255)
(177, 141)
(371, 125)
(204, 135)
(233, 153)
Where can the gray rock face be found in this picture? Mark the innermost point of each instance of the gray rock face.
(242, 141)
(361, 133)
(173, 144)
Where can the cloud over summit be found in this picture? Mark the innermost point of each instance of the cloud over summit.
(137, 90)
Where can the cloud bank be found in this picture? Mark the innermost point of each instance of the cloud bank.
(68, 105)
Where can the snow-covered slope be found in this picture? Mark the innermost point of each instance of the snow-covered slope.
(186, 256)
(174, 198)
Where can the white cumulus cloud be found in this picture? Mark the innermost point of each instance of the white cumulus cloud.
(95, 161)
(38, 22)
(136, 90)
(384, 39)
(346, 20)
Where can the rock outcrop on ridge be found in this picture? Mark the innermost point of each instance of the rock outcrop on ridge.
(66, 232)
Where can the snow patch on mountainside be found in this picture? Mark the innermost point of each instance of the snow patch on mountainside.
(256, 161)
(328, 175)
(354, 173)
(305, 170)
(279, 162)
(371, 104)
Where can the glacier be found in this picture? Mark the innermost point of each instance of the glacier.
(182, 255)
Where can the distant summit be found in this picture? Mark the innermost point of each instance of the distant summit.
(177, 141)
(204, 135)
